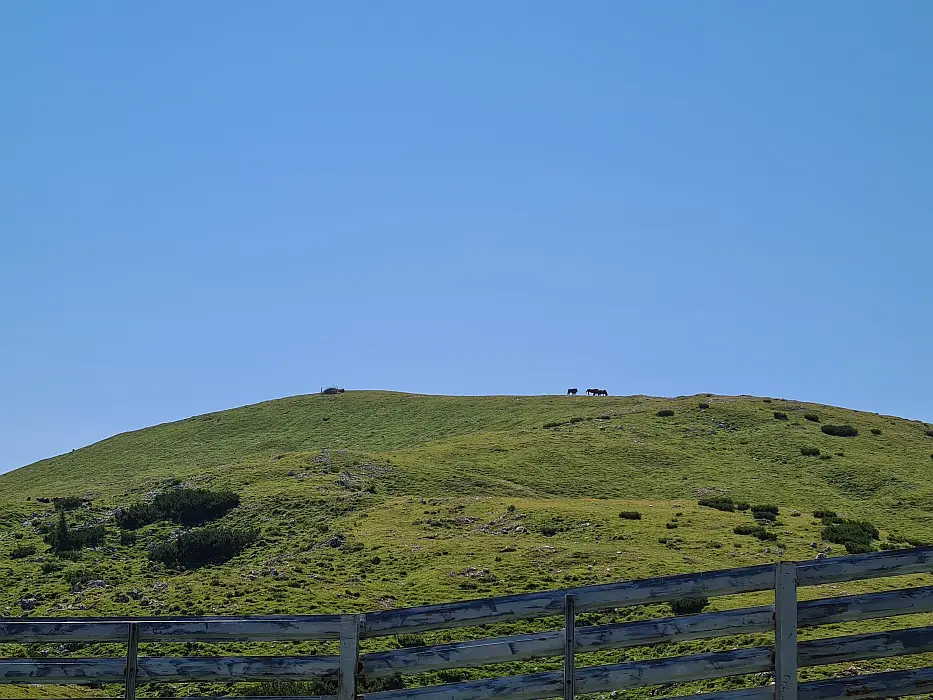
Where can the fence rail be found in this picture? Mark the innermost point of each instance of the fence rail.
(346, 669)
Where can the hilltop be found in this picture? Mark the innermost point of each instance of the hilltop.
(365, 499)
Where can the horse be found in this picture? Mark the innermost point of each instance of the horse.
(597, 392)
(571, 392)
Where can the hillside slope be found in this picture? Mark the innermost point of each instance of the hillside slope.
(375, 499)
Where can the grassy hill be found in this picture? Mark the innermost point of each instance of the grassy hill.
(369, 500)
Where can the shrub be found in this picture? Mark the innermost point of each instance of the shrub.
(812, 417)
(928, 432)
(766, 509)
(182, 506)
(68, 503)
(127, 538)
(755, 531)
(50, 567)
(23, 551)
(876, 431)
(780, 415)
(723, 503)
(766, 400)
(77, 577)
(825, 456)
(214, 544)
(689, 606)
(410, 640)
(704, 406)
(630, 515)
(839, 430)
(856, 535)
(577, 419)
(665, 413)
(810, 451)
(742, 505)
(61, 538)
(553, 424)
(827, 516)
(764, 515)
(671, 525)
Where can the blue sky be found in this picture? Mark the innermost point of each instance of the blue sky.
(204, 205)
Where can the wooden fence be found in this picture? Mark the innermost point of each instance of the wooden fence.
(783, 659)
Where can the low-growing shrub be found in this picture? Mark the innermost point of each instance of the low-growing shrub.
(780, 415)
(764, 515)
(671, 525)
(50, 567)
(723, 503)
(839, 430)
(766, 400)
(876, 431)
(755, 531)
(827, 516)
(812, 417)
(127, 538)
(182, 506)
(810, 451)
(77, 577)
(23, 551)
(630, 515)
(410, 640)
(689, 606)
(665, 413)
(61, 538)
(855, 535)
(742, 505)
(553, 424)
(213, 544)
(928, 432)
(68, 503)
(825, 456)
(766, 509)
(577, 419)
(704, 406)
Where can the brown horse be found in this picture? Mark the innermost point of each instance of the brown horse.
(571, 392)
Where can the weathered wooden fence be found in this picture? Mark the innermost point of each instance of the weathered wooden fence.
(783, 658)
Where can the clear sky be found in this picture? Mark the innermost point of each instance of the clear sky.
(204, 205)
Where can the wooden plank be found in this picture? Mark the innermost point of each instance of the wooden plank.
(817, 652)
(349, 657)
(570, 620)
(551, 603)
(62, 671)
(595, 679)
(892, 684)
(868, 606)
(898, 562)
(785, 631)
(235, 668)
(132, 655)
(204, 629)
(543, 644)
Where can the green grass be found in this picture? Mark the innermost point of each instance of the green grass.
(369, 500)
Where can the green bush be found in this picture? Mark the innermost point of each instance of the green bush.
(839, 430)
(827, 516)
(182, 506)
(23, 551)
(577, 419)
(665, 413)
(780, 415)
(69, 503)
(630, 515)
(742, 505)
(876, 431)
(929, 432)
(723, 503)
(61, 538)
(689, 606)
(856, 535)
(77, 577)
(755, 531)
(127, 539)
(766, 400)
(766, 509)
(704, 406)
(812, 417)
(810, 451)
(671, 525)
(553, 424)
(214, 544)
(764, 515)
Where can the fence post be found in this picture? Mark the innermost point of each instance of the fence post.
(132, 656)
(570, 641)
(349, 656)
(785, 631)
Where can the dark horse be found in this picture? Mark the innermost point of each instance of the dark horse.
(597, 392)
(571, 392)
